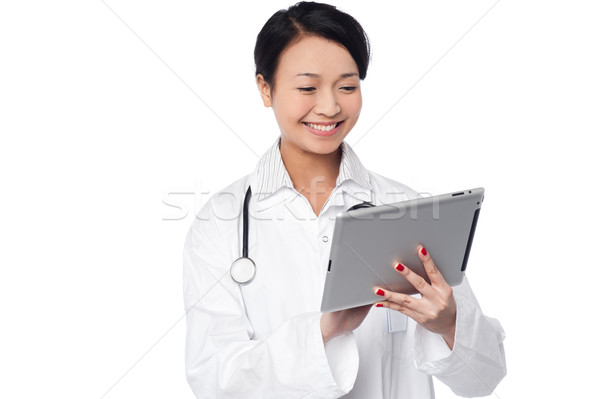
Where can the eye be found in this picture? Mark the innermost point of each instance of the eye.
(348, 89)
(306, 89)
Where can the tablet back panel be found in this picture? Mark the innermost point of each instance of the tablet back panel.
(368, 243)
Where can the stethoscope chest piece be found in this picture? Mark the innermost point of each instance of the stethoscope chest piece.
(243, 270)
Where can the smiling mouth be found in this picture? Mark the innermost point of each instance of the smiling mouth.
(323, 127)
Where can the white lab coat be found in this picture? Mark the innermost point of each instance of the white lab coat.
(263, 340)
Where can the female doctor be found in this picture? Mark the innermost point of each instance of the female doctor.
(263, 336)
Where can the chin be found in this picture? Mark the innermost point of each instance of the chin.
(324, 147)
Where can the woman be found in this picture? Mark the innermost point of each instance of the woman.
(267, 339)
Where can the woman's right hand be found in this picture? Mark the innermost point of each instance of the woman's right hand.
(342, 321)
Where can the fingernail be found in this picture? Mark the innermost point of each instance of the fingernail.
(424, 251)
(399, 267)
(380, 292)
(378, 305)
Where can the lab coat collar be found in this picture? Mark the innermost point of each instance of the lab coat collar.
(271, 183)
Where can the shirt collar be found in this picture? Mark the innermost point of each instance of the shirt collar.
(270, 174)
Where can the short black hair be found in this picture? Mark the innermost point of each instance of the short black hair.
(285, 27)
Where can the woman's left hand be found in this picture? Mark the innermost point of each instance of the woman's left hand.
(436, 310)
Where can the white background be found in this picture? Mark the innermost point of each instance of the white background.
(111, 110)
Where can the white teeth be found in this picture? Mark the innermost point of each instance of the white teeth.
(322, 128)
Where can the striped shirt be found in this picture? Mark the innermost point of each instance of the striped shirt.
(271, 174)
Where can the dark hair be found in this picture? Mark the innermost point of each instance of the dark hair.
(285, 27)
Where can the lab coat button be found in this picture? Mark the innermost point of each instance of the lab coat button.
(325, 238)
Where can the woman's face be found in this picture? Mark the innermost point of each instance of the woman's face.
(317, 97)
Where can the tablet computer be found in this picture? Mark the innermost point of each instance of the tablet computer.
(369, 242)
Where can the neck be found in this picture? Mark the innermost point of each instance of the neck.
(311, 173)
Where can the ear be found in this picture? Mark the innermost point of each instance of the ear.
(264, 89)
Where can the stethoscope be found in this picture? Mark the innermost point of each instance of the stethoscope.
(243, 269)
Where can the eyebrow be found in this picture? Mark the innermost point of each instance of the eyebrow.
(315, 75)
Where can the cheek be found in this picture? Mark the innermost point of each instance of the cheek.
(298, 107)
(289, 111)
(352, 106)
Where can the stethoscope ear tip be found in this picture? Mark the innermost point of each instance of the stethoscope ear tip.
(364, 204)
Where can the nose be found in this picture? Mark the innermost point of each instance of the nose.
(327, 104)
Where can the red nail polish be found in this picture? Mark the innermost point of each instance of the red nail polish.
(424, 251)
(399, 267)
(380, 292)
(378, 305)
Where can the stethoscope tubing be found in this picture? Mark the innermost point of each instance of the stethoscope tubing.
(245, 223)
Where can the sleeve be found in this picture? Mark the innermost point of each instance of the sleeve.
(476, 364)
(223, 360)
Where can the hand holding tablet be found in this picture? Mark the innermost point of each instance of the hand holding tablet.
(435, 310)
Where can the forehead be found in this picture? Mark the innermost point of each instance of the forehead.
(315, 55)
